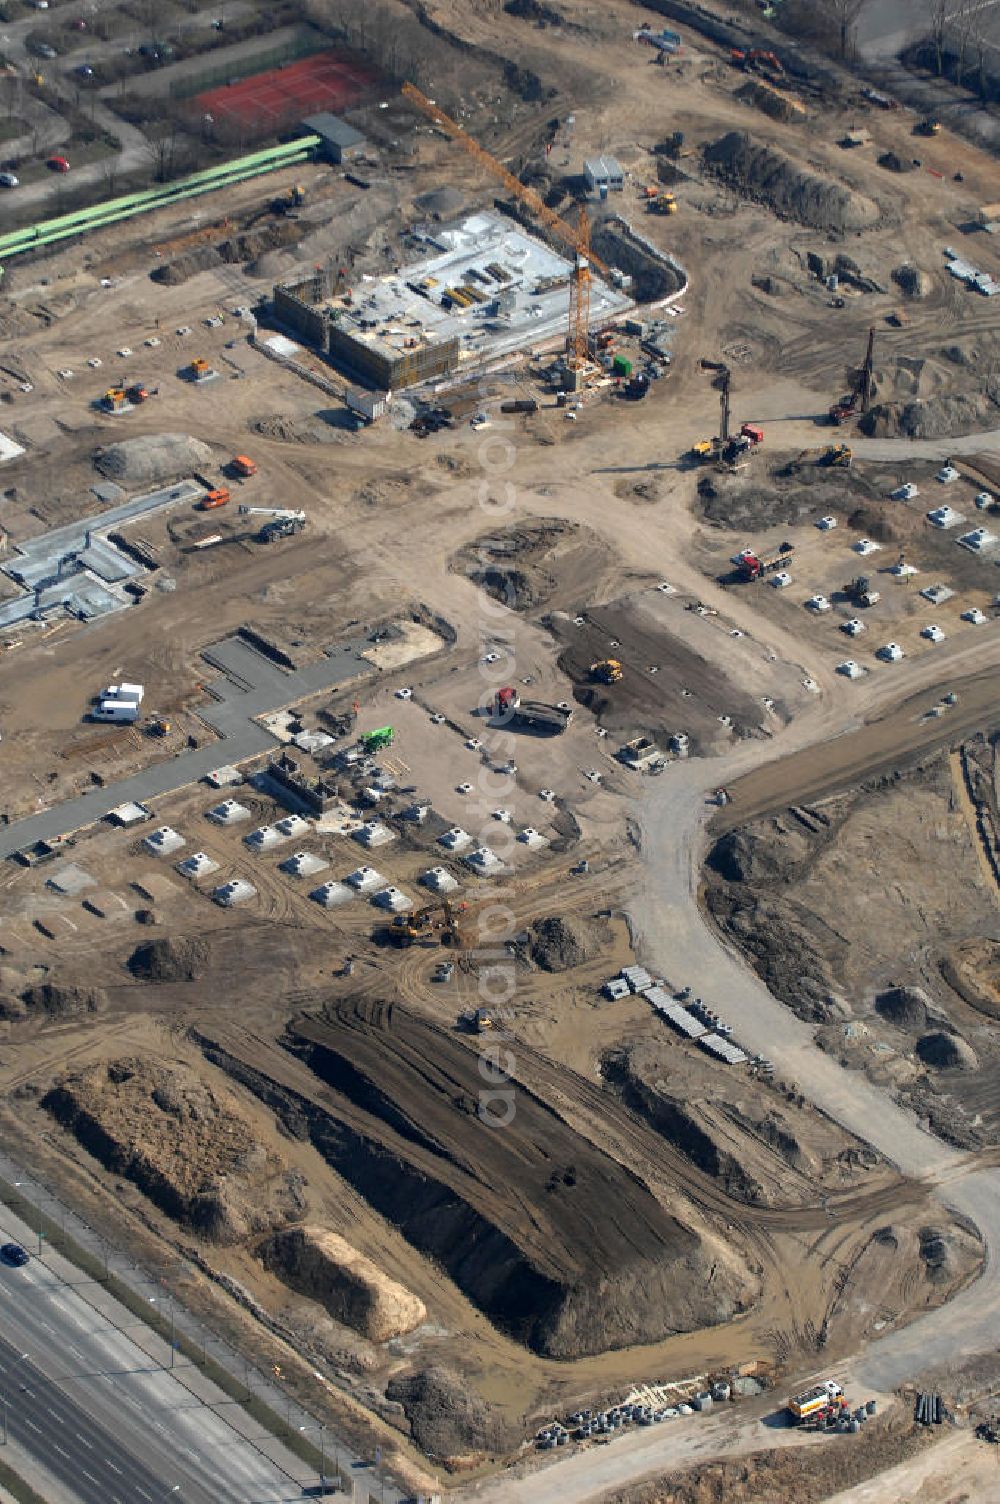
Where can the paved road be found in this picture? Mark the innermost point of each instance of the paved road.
(107, 1418)
(41, 1417)
(231, 713)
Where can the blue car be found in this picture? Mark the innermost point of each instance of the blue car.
(13, 1253)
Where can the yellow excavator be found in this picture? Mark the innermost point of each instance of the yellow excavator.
(606, 671)
(292, 198)
(435, 920)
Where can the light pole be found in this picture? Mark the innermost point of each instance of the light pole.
(22, 1185)
(321, 1428)
(170, 1307)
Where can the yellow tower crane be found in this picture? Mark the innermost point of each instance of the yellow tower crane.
(577, 343)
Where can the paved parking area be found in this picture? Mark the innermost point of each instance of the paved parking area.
(250, 686)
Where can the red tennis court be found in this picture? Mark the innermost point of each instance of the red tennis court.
(325, 81)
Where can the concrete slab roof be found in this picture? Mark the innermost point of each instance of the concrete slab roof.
(525, 302)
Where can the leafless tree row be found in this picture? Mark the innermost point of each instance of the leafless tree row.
(964, 33)
(394, 40)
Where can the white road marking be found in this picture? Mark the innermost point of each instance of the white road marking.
(80, 1437)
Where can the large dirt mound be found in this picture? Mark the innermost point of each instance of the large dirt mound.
(153, 459)
(169, 960)
(559, 1245)
(671, 1117)
(185, 1144)
(906, 1007)
(556, 943)
(946, 1052)
(931, 418)
(757, 854)
(447, 1419)
(761, 173)
(57, 1000)
(912, 281)
(786, 948)
(536, 564)
(324, 1266)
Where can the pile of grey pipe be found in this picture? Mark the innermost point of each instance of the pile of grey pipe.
(929, 1410)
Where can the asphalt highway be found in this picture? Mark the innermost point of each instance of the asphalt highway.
(102, 1417)
(42, 1418)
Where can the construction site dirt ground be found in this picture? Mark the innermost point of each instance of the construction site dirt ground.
(801, 1219)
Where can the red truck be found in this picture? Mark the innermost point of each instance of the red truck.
(753, 566)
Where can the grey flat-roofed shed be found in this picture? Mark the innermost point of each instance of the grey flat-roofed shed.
(340, 140)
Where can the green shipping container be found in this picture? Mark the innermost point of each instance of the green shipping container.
(621, 367)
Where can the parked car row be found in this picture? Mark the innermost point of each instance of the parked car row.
(55, 163)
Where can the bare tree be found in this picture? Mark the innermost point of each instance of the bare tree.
(938, 18)
(844, 14)
(964, 26)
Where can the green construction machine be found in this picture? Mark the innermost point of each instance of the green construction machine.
(376, 741)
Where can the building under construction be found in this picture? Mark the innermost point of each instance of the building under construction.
(485, 289)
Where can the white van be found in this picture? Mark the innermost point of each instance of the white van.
(115, 710)
(133, 692)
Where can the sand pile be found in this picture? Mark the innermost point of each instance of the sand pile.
(356, 1292)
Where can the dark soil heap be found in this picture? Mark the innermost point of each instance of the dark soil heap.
(447, 1419)
(168, 960)
(759, 172)
(906, 1007)
(58, 1001)
(562, 1247)
(556, 943)
(946, 1052)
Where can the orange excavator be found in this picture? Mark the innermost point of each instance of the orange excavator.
(756, 60)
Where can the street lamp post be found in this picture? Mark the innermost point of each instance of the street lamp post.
(321, 1428)
(170, 1307)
